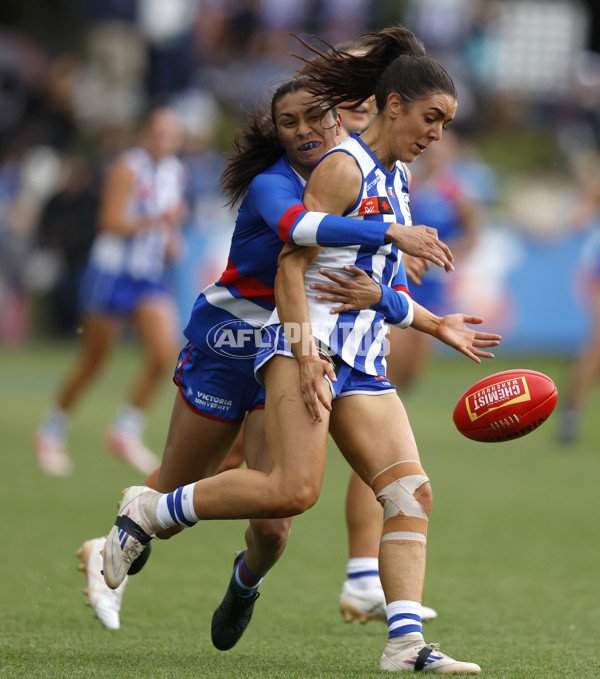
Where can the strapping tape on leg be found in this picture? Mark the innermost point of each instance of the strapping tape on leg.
(404, 517)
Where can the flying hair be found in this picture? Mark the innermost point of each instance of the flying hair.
(391, 60)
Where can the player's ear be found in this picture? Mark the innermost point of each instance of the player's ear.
(338, 124)
(394, 104)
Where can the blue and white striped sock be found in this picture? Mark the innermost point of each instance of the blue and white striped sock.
(404, 617)
(245, 583)
(363, 572)
(177, 508)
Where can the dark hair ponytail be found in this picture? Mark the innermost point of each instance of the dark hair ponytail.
(385, 65)
(256, 147)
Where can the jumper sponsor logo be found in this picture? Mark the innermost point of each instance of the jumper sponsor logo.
(211, 401)
(496, 396)
(371, 184)
(375, 205)
(237, 339)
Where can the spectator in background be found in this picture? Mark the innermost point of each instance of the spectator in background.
(66, 228)
(141, 208)
(27, 179)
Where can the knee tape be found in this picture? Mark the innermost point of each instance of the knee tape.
(404, 517)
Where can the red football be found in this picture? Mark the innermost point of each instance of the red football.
(505, 406)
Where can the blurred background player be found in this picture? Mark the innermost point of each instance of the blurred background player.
(585, 371)
(140, 211)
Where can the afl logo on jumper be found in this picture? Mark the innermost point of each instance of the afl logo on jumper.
(375, 205)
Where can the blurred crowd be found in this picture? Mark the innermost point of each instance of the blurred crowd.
(75, 75)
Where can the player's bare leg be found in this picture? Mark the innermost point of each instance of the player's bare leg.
(584, 375)
(298, 449)
(392, 468)
(50, 440)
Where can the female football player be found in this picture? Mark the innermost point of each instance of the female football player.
(415, 99)
(141, 209)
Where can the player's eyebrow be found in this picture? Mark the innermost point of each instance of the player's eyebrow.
(447, 120)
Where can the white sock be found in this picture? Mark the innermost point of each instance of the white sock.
(363, 572)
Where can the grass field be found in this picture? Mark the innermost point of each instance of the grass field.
(512, 567)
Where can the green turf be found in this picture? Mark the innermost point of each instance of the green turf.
(512, 568)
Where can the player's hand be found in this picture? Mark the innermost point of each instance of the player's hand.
(358, 292)
(415, 268)
(313, 385)
(421, 241)
(454, 332)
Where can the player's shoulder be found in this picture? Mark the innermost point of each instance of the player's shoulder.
(279, 176)
(339, 166)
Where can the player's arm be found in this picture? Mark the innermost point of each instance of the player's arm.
(292, 308)
(360, 291)
(116, 193)
(294, 222)
(453, 331)
(290, 293)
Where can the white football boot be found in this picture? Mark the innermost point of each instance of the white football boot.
(105, 602)
(423, 658)
(135, 525)
(369, 604)
(51, 454)
(428, 614)
(362, 604)
(131, 449)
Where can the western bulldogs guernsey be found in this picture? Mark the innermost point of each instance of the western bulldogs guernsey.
(157, 188)
(228, 315)
(358, 337)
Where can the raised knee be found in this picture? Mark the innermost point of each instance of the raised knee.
(297, 500)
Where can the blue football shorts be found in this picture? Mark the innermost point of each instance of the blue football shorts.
(214, 387)
(104, 293)
(350, 381)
